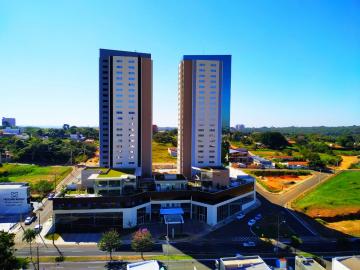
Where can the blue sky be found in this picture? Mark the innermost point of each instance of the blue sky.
(294, 62)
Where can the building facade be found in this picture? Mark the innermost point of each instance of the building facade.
(14, 198)
(203, 110)
(125, 87)
(8, 122)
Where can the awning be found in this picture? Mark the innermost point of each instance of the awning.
(173, 219)
(171, 211)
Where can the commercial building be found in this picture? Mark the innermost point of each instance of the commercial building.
(125, 87)
(242, 263)
(346, 263)
(204, 110)
(14, 198)
(124, 193)
(8, 122)
(303, 263)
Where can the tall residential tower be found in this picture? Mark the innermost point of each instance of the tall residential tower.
(204, 110)
(125, 87)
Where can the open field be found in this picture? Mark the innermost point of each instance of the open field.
(32, 173)
(338, 196)
(281, 183)
(160, 153)
(350, 227)
(347, 161)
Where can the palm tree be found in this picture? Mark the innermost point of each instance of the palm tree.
(28, 236)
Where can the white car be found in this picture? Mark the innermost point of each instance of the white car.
(258, 217)
(240, 216)
(38, 228)
(29, 220)
(249, 244)
(251, 222)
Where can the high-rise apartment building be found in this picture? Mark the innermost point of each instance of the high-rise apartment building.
(125, 87)
(204, 110)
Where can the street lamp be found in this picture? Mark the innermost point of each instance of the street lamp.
(278, 232)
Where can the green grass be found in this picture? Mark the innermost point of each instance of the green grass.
(355, 166)
(160, 153)
(173, 257)
(340, 191)
(50, 236)
(116, 173)
(32, 173)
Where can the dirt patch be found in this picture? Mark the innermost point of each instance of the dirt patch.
(285, 182)
(346, 162)
(332, 212)
(350, 227)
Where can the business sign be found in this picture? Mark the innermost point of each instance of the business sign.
(14, 201)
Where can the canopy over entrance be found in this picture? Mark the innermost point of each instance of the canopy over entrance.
(172, 215)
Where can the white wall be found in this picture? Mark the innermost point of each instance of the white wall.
(13, 200)
(206, 114)
(125, 100)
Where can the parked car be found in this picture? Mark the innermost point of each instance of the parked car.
(240, 216)
(38, 228)
(29, 220)
(249, 244)
(258, 217)
(51, 195)
(251, 222)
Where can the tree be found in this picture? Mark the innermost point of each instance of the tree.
(296, 241)
(109, 242)
(315, 160)
(142, 241)
(43, 187)
(7, 250)
(273, 140)
(346, 141)
(29, 236)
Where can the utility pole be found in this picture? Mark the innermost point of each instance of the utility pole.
(37, 254)
(55, 183)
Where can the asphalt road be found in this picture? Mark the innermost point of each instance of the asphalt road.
(45, 212)
(284, 198)
(172, 265)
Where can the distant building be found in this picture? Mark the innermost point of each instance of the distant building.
(346, 263)
(8, 122)
(172, 151)
(302, 263)
(242, 263)
(262, 162)
(14, 198)
(240, 127)
(297, 164)
(77, 137)
(155, 128)
(239, 155)
(11, 131)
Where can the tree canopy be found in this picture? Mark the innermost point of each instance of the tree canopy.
(109, 242)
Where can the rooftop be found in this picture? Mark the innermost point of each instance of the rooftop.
(7, 185)
(213, 168)
(116, 173)
(169, 177)
(310, 263)
(352, 263)
(244, 263)
(110, 173)
(107, 53)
